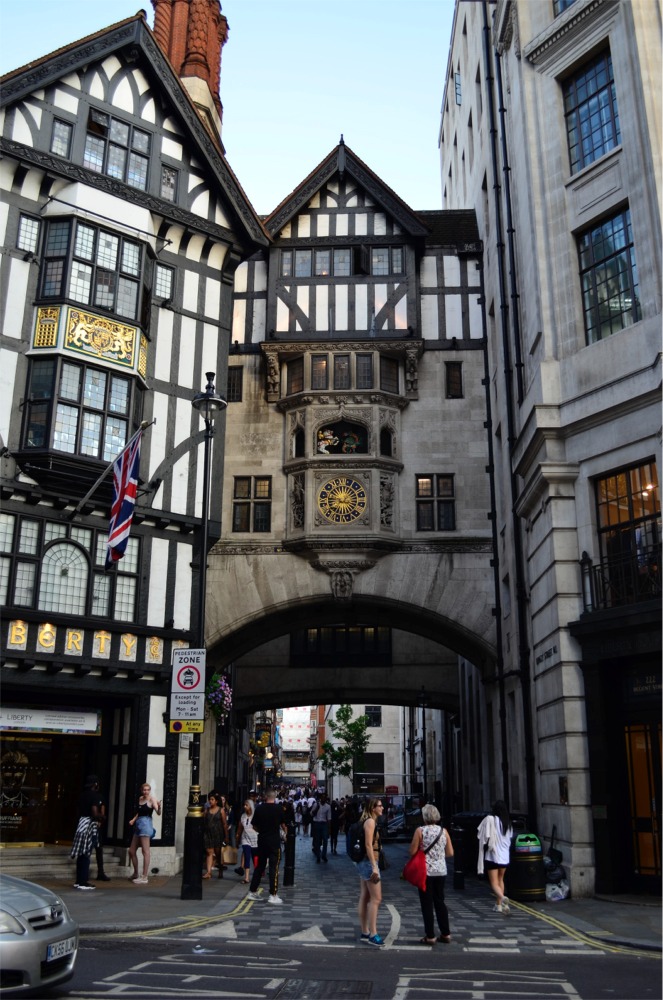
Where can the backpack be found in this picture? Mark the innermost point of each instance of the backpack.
(357, 842)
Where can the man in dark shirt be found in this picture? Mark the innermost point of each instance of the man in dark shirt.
(268, 820)
(85, 837)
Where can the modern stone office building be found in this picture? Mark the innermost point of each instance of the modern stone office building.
(551, 129)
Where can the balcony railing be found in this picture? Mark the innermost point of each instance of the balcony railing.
(619, 582)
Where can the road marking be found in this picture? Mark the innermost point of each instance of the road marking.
(585, 938)
(310, 934)
(395, 926)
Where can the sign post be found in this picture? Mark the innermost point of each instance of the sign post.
(187, 692)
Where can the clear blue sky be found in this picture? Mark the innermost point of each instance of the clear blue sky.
(295, 75)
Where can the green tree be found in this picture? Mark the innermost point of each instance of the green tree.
(347, 753)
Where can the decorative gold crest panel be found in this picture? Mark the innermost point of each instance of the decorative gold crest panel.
(102, 338)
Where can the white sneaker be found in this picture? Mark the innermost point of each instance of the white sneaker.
(252, 895)
(275, 901)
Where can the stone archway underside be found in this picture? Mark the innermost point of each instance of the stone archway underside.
(255, 599)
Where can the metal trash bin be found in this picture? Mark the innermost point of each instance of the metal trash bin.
(525, 879)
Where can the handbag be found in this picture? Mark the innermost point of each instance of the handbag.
(414, 871)
(229, 854)
(383, 864)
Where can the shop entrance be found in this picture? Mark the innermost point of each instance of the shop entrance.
(643, 758)
(42, 778)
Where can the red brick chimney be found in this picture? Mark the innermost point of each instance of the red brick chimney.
(192, 34)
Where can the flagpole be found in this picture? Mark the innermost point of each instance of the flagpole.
(144, 425)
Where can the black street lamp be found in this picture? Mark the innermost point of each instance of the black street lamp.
(209, 405)
(423, 702)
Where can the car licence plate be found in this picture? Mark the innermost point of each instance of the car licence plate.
(60, 948)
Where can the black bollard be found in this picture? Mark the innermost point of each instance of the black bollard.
(289, 867)
(459, 851)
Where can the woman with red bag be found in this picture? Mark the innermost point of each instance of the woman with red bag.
(435, 843)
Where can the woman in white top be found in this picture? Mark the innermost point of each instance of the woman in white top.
(436, 842)
(495, 833)
(247, 839)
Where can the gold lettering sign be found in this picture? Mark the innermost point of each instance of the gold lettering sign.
(100, 645)
(128, 647)
(73, 644)
(154, 649)
(18, 635)
(100, 337)
(46, 637)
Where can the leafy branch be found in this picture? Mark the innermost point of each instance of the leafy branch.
(352, 740)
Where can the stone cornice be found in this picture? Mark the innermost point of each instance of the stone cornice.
(342, 346)
(442, 546)
(569, 32)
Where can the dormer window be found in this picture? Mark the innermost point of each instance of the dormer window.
(115, 148)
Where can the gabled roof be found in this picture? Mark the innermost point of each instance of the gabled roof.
(135, 37)
(342, 161)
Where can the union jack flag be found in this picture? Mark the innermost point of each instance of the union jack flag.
(125, 484)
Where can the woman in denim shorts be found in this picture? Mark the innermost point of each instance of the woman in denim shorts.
(370, 886)
(143, 832)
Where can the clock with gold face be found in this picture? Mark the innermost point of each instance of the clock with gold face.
(342, 500)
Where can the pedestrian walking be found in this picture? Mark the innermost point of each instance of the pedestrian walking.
(247, 838)
(215, 834)
(85, 837)
(321, 824)
(370, 886)
(268, 821)
(495, 833)
(435, 842)
(334, 826)
(143, 831)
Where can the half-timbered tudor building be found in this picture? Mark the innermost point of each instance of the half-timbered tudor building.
(121, 227)
(355, 558)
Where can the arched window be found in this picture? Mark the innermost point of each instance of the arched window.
(386, 442)
(64, 579)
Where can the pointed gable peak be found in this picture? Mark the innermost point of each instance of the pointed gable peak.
(344, 163)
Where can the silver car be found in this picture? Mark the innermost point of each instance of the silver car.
(38, 938)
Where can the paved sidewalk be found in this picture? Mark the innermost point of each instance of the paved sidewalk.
(321, 908)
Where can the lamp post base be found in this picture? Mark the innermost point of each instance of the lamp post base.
(192, 868)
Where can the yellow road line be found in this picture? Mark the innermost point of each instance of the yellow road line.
(187, 924)
(579, 936)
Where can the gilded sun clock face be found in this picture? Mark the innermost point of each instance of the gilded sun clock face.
(342, 500)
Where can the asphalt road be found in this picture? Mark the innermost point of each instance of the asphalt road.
(195, 967)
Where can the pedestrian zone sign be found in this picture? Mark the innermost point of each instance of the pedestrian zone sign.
(187, 692)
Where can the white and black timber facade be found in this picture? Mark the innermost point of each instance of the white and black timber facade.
(121, 228)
